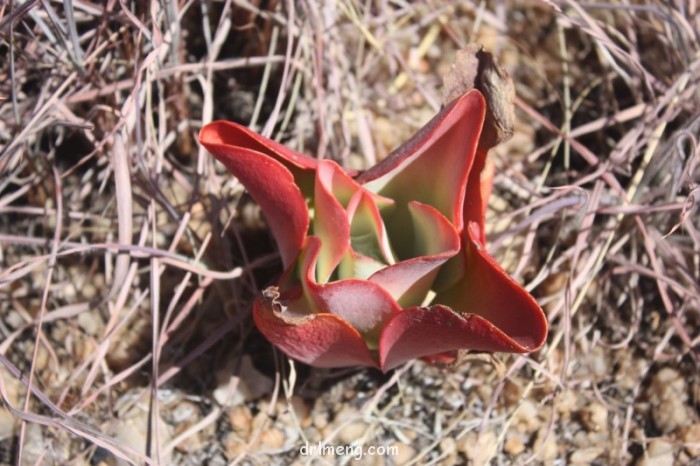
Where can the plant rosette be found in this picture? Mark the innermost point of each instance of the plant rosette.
(386, 265)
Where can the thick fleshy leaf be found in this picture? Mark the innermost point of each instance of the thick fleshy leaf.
(370, 250)
(425, 331)
(433, 167)
(364, 305)
(270, 183)
(336, 182)
(368, 234)
(331, 223)
(436, 241)
(475, 205)
(235, 136)
(356, 265)
(476, 199)
(485, 310)
(345, 212)
(487, 290)
(322, 340)
(407, 232)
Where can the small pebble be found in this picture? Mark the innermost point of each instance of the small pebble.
(8, 424)
(185, 411)
(251, 384)
(670, 414)
(13, 387)
(514, 445)
(302, 411)
(586, 455)
(42, 359)
(241, 420)
(34, 446)
(272, 439)
(668, 383)
(404, 453)
(233, 445)
(352, 432)
(132, 431)
(13, 319)
(512, 392)
(83, 347)
(191, 443)
(478, 448)
(320, 420)
(691, 436)
(90, 322)
(566, 402)
(668, 394)
(595, 418)
(527, 419)
(448, 447)
(546, 445)
(599, 362)
(659, 453)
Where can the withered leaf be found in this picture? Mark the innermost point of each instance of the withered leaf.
(475, 68)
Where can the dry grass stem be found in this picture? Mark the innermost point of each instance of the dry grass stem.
(129, 258)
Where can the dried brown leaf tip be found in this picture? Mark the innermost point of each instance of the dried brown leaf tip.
(474, 68)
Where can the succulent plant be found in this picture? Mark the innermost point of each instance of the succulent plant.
(386, 265)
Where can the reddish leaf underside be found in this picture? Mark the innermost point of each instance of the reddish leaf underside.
(270, 183)
(424, 331)
(487, 290)
(321, 340)
(235, 135)
(364, 305)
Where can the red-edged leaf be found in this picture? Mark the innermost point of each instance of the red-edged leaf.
(434, 165)
(485, 311)
(369, 243)
(331, 223)
(364, 305)
(368, 234)
(345, 212)
(336, 182)
(476, 199)
(321, 340)
(487, 290)
(233, 134)
(425, 331)
(475, 205)
(270, 183)
(435, 241)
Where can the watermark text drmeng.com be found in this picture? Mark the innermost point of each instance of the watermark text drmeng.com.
(355, 451)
